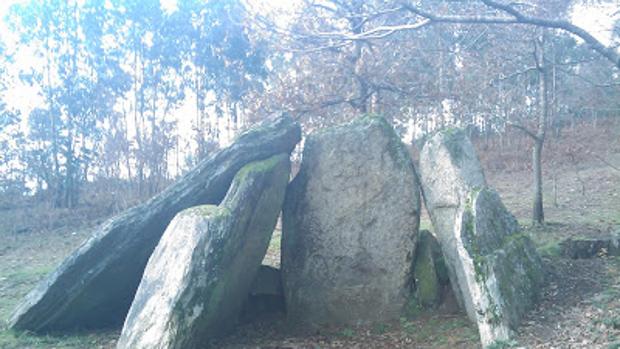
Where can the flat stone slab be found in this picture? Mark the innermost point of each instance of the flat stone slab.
(95, 285)
(202, 270)
(590, 247)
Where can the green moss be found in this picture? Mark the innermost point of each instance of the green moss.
(427, 285)
(493, 313)
(499, 344)
(470, 240)
(205, 211)
(396, 148)
(512, 249)
(453, 139)
(427, 282)
(11, 339)
(258, 167)
(413, 308)
(263, 128)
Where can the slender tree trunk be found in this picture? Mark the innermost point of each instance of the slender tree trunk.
(54, 184)
(538, 215)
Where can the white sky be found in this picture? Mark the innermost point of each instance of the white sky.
(596, 19)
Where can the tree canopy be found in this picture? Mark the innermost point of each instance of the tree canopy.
(135, 92)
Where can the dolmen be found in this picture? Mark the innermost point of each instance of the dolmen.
(182, 269)
(95, 286)
(494, 269)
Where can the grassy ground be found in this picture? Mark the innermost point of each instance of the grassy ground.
(579, 309)
(24, 259)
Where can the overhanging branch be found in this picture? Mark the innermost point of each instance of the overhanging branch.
(516, 17)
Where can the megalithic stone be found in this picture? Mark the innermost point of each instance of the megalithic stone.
(494, 269)
(95, 285)
(350, 224)
(202, 270)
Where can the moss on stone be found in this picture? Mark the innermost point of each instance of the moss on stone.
(205, 211)
(470, 241)
(453, 139)
(265, 127)
(413, 308)
(427, 281)
(508, 254)
(396, 148)
(427, 285)
(257, 167)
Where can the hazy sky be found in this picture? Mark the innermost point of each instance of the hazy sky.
(596, 19)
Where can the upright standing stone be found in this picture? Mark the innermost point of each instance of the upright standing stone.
(494, 269)
(350, 221)
(95, 285)
(201, 272)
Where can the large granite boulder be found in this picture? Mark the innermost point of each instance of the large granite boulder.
(95, 285)
(494, 269)
(201, 272)
(350, 220)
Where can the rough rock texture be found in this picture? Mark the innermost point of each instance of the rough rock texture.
(95, 285)
(350, 221)
(589, 248)
(429, 270)
(266, 295)
(494, 270)
(198, 277)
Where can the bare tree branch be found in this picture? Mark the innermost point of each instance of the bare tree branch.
(523, 129)
(517, 17)
(515, 74)
(587, 80)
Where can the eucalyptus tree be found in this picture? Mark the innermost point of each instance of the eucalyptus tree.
(78, 76)
(220, 63)
(11, 136)
(153, 63)
(196, 53)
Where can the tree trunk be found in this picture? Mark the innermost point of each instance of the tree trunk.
(538, 215)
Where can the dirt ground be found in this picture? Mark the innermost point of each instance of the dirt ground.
(580, 305)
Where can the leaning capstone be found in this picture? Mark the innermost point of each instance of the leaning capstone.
(95, 285)
(350, 220)
(198, 277)
(494, 269)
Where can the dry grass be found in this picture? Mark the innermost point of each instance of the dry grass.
(587, 192)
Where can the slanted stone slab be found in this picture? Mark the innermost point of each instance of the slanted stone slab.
(198, 277)
(95, 285)
(350, 221)
(494, 269)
